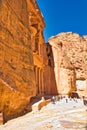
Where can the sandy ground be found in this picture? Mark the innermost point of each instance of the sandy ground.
(58, 116)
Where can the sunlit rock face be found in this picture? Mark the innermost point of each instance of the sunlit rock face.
(17, 79)
(37, 43)
(69, 50)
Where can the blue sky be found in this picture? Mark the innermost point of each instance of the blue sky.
(64, 16)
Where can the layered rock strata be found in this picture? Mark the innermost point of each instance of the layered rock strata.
(69, 52)
(17, 79)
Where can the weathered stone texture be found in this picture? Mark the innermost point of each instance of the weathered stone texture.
(28, 67)
(17, 80)
(69, 59)
(50, 87)
(37, 42)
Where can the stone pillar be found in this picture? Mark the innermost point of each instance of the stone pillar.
(40, 87)
(39, 82)
(35, 72)
(42, 84)
(37, 79)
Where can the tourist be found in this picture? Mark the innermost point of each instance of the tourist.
(53, 100)
(66, 100)
(58, 97)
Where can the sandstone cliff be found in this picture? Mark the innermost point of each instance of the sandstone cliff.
(50, 87)
(17, 80)
(70, 65)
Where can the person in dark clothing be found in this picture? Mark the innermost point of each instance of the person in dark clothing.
(53, 100)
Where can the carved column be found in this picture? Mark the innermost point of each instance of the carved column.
(42, 82)
(39, 82)
(37, 79)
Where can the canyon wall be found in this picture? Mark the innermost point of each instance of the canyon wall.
(17, 79)
(70, 50)
(28, 66)
(50, 87)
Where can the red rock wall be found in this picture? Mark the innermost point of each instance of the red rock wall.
(17, 79)
(50, 87)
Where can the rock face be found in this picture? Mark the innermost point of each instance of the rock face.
(50, 87)
(28, 67)
(37, 42)
(17, 79)
(69, 52)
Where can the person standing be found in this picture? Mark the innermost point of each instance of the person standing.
(53, 100)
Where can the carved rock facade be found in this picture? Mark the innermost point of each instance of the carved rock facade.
(42, 54)
(28, 67)
(26, 64)
(69, 52)
(37, 42)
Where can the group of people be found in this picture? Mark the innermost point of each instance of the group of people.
(60, 97)
(57, 98)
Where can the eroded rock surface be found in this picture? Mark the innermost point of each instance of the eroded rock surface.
(17, 79)
(50, 87)
(70, 51)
